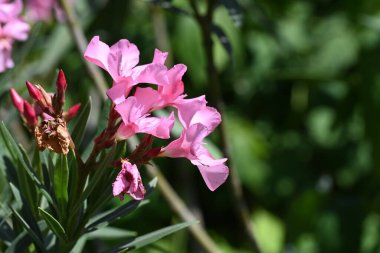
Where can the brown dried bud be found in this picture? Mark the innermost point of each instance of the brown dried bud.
(53, 135)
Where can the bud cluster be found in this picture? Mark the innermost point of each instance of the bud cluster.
(51, 130)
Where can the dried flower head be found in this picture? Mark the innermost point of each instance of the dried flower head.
(53, 135)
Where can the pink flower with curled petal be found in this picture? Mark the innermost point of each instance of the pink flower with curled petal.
(120, 61)
(136, 106)
(12, 28)
(190, 146)
(198, 121)
(128, 181)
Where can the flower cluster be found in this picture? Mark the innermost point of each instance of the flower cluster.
(12, 27)
(134, 105)
(51, 130)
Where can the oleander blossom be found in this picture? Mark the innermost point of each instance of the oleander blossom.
(136, 106)
(128, 181)
(12, 28)
(42, 10)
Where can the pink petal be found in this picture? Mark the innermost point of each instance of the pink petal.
(213, 171)
(148, 97)
(125, 131)
(123, 56)
(188, 107)
(159, 127)
(188, 143)
(10, 10)
(119, 91)
(207, 116)
(97, 52)
(150, 73)
(6, 61)
(40, 9)
(174, 88)
(16, 29)
(213, 176)
(159, 57)
(130, 110)
(117, 187)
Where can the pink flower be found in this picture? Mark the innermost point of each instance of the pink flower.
(12, 28)
(120, 61)
(198, 121)
(128, 181)
(42, 9)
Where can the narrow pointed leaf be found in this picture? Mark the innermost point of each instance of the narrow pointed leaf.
(110, 216)
(19, 244)
(115, 214)
(36, 239)
(235, 11)
(53, 224)
(61, 179)
(223, 39)
(144, 240)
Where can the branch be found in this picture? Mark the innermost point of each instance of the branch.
(81, 43)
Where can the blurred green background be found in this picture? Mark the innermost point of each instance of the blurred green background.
(302, 95)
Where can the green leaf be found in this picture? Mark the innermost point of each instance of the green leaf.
(61, 179)
(53, 224)
(98, 175)
(110, 233)
(144, 240)
(19, 244)
(26, 177)
(114, 214)
(80, 125)
(31, 232)
(107, 217)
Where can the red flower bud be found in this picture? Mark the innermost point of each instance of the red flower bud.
(61, 82)
(71, 113)
(30, 114)
(17, 100)
(59, 97)
(34, 91)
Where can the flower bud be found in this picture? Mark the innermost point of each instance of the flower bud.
(61, 82)
(59, 98)
(30, 114)
(17, 100)
(71, 113)
(34, 91)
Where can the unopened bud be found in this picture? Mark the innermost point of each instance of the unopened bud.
(71, 113)
(17, 100)
(59, 98)
(34, 91)
(30, 114)
(61, 82)
(46, 101)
